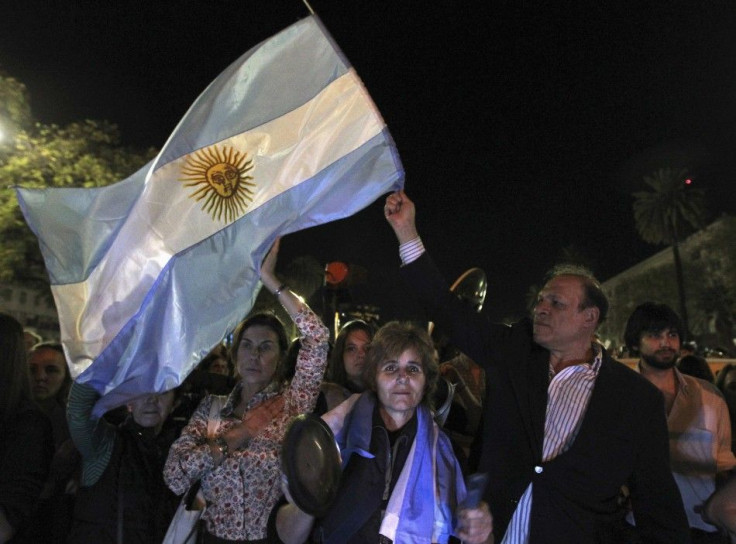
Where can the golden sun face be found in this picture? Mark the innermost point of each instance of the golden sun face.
(220, 178)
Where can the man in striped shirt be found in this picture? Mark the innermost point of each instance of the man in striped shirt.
(565, 425)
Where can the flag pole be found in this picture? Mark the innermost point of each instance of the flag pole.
(308, 7)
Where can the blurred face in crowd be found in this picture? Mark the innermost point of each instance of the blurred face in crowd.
(354, 354)
(48, 370)
(660, 349)
(151, 410)
(559, 321)
(219, 366)
(258, 356)
(400, 384)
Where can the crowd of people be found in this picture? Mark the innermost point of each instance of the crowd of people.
(572, 446)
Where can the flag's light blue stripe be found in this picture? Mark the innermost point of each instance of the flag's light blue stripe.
(161, 344)
(303, 52)
(75, 227)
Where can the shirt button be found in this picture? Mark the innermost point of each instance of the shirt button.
(538, 469)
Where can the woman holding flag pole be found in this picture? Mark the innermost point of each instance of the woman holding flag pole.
(239, 468)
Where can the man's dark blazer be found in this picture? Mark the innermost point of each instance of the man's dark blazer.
(622, 439)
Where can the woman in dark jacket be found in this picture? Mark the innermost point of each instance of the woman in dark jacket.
(401, 482)
(26, 444)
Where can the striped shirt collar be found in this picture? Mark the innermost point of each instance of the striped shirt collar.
(595, 366)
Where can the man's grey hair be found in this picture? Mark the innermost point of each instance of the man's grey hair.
(593, 295)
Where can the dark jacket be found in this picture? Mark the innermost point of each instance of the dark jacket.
(123, 497)
(622, 438)
(52, 518)
(130, 496)
(26, 448)
(366, 485)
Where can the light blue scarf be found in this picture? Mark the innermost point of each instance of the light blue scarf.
(422, 506)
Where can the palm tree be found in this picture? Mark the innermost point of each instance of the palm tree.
(668, 213)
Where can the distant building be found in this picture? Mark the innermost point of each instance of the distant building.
(709, 269)
(32, 309)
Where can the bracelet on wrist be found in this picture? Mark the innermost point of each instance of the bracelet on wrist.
(281, 289)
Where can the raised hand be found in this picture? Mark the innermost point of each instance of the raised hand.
(400, 213)
(268, 267)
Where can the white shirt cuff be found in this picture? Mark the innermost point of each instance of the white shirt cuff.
(410, 251)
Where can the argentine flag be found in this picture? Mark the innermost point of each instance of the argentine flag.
(148, 274)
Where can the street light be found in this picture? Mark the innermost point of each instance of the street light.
(4, 131)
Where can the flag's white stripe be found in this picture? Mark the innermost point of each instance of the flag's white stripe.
(286, 152)
(96, 309)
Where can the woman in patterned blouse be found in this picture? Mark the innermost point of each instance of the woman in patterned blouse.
(239, 467)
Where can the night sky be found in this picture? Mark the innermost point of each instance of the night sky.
(523, 126)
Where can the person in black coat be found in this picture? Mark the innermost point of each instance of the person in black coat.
(565, 425)
(26, 440)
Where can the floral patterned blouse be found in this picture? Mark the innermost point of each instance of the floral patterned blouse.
(243, 490)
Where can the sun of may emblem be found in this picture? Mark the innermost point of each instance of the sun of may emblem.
(220, 178)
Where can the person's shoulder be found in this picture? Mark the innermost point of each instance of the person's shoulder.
(699, 383)
(630, 381)
(333, 393)
(707, 388)
(620, 370)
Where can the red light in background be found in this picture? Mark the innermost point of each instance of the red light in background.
(336, 272)
(688, 181)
